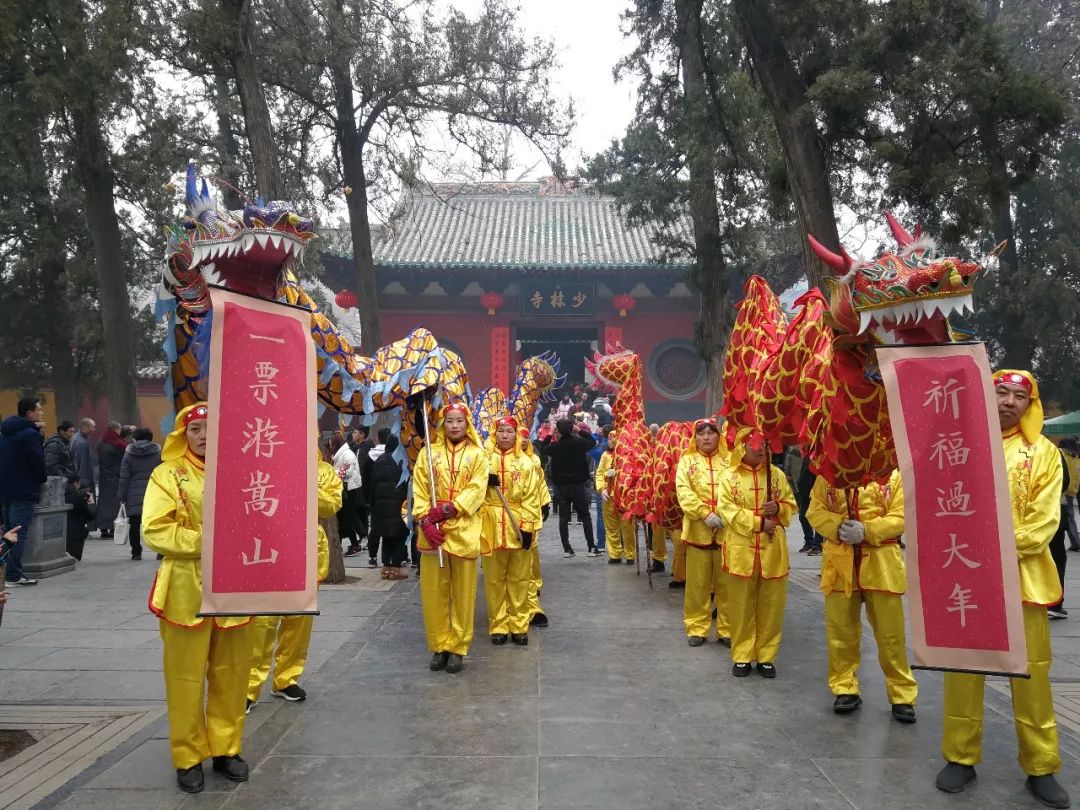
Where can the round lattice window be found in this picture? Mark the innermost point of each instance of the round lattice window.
(676, 370)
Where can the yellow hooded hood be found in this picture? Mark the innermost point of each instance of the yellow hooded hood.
(1031, 423)
(744, 437)
(722, 448)
(470, 429)
(175, 445)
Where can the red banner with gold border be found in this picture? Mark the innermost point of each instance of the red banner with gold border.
(963, 575)
(259, 510)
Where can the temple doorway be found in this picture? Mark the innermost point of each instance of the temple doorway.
(572, 345)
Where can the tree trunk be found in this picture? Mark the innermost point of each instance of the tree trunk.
(337, 574)
(804, 151)
(710, 272)
(351, 145)
(260, 133)
(227, 148)
(92, 158)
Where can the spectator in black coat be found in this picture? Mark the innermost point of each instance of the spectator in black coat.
(139, 461)
(22, 472)
(362, 447)
(58, 452)
(570, 474)
(110, 453)
(388, 493)
(82, 512)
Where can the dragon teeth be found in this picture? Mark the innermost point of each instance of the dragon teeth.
(262, 238)
(865, 319)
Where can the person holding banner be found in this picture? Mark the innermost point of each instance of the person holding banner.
(449, 488)
(862, 564)
(293, 633)
(206, 660)
(537, 617)
(512, 518)
(1034, 472)
(697, 485)
(755, 504)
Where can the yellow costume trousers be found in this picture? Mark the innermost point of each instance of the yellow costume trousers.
(293, 635)
(1033, 708)
(659, 543)
(843, 633)
(536, 581)
(705, 579)
(206, 671)
(448, 598)
(678, 564)
(618, 534)
(507, 573)
(756, 608)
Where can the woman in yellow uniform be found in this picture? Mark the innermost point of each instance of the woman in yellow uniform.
(618, 532)
(862, 564)
(1034, 470)
(697, 484)
(453, 523)
(293, 633)
(205, 661)
(755, 505)
(507, 562)
(537, 617)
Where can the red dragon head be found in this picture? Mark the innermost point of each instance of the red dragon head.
(904, 297)
(616, 368)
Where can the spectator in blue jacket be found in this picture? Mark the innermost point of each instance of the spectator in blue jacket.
(22, 472)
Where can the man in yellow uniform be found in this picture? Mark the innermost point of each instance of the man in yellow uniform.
(1034, 470)
(293, 633)
(507, 539)
(537, 617)
(697, 483)
(618, 532)
(452, 525)
(862, 564)
(756, 505)
(205, 661)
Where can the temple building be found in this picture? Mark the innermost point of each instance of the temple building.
(501, 271)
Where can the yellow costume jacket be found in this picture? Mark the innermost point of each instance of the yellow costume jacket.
(876, 564)
(602, 466)
(461, 473)
(742, 495)
(697, 485)
(329, 502)
(517, 477)
(1035, 477)
(172, 526)
(1074, 474)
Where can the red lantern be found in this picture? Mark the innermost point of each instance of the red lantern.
(346, 299)
(492, 301)
(624, 303)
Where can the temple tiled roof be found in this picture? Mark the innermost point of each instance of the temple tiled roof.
(525, 225)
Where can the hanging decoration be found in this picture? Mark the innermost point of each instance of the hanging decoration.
(492, 301)
(346, 299)
(623, 302)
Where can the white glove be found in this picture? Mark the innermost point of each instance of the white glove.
(852, 532)
(605, 495)
(713, 521)
(609, 474)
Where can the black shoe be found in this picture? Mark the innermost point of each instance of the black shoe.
(740, 670)
(352, 551)
(674, 584)
(22, 581)
(521, 639)
(291, 693)
(594, 552)
(453, 663)
(136, 557)
(766, 670)
(568, 554)
(903, 713)
(438, 661)
(726, 641)
(614, 561)
(805, 548)
(191, 780)
(1053, 613)
(539, 620)
(657, 567)
(250, 704)
(498, 639)
(233, 768)
(1047, 790)
(954, 777)
(845, 704)
(630, 562)
(161, 556)
(695, 641)
(372, 563)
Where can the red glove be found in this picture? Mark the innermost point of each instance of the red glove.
(444, 511)
(433, 532)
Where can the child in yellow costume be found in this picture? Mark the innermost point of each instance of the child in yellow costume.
(755, 504)
(453, 523)
(507, 562)
(537, 617)
(618, 531)
(205, 661)
(293, 633)
(1033, 466)
(862, 563)
(697, 485)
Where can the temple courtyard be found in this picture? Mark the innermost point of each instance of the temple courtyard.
(607, 707)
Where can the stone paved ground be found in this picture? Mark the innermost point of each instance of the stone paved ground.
(608, 707)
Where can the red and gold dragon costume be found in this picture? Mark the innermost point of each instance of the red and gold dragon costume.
(813, 382)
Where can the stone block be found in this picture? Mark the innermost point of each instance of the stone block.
(46, 554)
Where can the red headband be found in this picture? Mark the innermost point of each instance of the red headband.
(1012, 378)
(506, 421)
(524, 433)
(195, 414)
(460, 407)
(703, 423)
